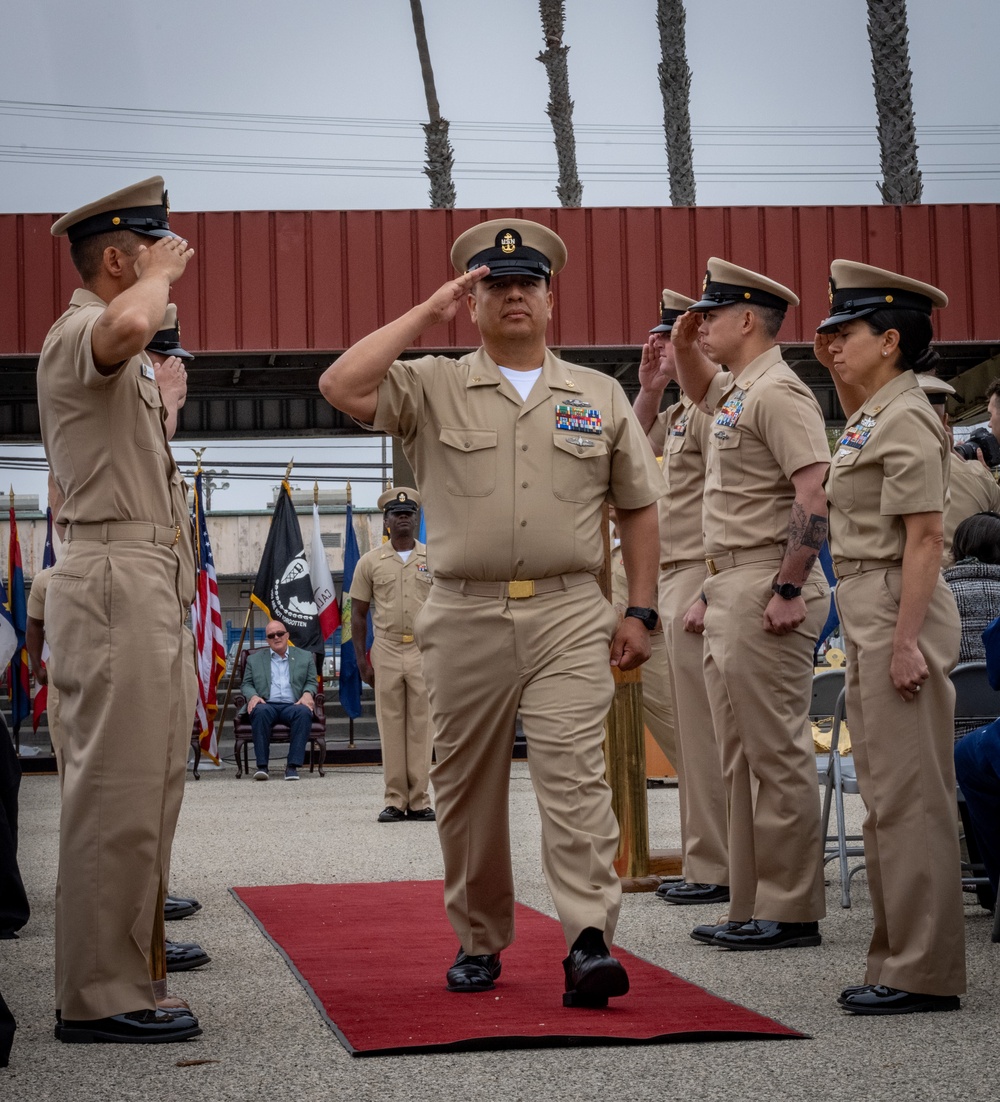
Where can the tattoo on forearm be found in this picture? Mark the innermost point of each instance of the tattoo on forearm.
(806, 533)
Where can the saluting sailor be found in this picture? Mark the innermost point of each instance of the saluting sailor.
(515, 452)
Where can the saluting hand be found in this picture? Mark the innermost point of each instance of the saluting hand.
(446, 300)
(821, 349)
(171, 378)
(167, 256)
(684, 334)
(654, 369)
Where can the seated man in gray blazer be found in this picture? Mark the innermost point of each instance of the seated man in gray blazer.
(280, 687)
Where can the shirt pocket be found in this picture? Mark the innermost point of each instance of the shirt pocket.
(148, 416)
(470, 461)
(580, 472)
(841, 482)
(727, 455)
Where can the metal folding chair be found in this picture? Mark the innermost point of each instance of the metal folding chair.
(837, 775)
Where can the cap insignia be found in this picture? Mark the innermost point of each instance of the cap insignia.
(831, 288)
(704, 282)
(401, 496)
(508, 242)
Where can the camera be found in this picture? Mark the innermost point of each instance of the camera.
(983, 440)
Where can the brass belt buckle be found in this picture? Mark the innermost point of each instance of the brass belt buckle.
(712, 568)
(407, 639)
(517, 590)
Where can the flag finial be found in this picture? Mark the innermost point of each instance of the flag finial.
(315, 493)
(288, 469)
(348, 493)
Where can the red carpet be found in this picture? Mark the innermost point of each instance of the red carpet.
(373, 958)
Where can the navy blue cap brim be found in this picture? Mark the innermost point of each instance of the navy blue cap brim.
(835, 321)
(663, 327)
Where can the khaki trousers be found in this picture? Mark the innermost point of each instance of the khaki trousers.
(904, 757)
(401, 711)
(657, 698)
(704, 828)
(486, 660)
(759, 686)
(125, 675)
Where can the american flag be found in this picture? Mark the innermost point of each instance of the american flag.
(206, 618)
(41, 702)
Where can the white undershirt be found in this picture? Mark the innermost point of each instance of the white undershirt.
(522, 381)
(405, 555)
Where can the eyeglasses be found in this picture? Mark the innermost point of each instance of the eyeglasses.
(276, 634)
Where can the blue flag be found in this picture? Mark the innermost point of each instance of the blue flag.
(350, 675)
(832, 619)
(18, 684)
(49, 554)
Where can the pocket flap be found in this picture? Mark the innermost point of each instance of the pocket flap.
(469, 440)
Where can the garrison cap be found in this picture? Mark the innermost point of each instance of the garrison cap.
(510, 246)
(672, 305)
(167, 340)
(726, 284)
(857, 290)
(400, 499)
(933, 385)
(141, 208)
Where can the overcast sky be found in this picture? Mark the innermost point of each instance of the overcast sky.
(317, 104)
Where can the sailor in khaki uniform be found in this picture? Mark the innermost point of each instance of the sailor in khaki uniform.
(887, 487)
(971, 486)
(515, 453)
(764, 524)
(680, 435)
(124, 661)
(393, 579)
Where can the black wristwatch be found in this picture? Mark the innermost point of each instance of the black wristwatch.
(648, 617)
(786, 591)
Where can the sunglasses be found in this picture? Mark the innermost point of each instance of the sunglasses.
(276, 634)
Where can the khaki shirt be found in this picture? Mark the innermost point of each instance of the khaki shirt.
(972, 490)
(512, 489)
(36, 596)
(767, 426)
(892, 460)
(104, 434)
(682, 433)
(394, 589)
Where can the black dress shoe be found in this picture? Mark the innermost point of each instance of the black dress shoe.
(879, 999)
(593, 975)
(182, 956)
(141, 1027)
(695, 893)
(763, 933)
(175, 906)
(424, 815)
(848, 991)
(475, 973)
(392, 815)
(707, 932)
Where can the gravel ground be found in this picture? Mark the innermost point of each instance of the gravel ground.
(264, 1040)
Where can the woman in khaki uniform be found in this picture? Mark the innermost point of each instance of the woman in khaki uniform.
(887, 487)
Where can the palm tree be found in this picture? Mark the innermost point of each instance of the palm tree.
(560, 106)
(675, 87)
(440, 155)
(897, 136)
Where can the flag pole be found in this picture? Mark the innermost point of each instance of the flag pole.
(350, 719)
(10, 597)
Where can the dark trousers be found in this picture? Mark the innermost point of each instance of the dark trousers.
(266, 715)
(977, 767)
(14, 908)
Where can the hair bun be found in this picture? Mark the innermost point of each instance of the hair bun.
(927, 360)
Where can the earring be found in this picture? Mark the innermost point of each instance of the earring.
(884, 353)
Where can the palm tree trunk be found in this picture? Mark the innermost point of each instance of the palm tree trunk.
(560, 106)
(440, 155)
(675, 87)
(897, 135)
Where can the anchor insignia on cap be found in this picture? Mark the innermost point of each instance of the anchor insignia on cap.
(508, 243)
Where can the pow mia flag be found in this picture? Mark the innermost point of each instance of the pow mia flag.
(283, 589)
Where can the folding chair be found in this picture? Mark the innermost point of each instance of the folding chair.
(976, 704)
(837, 775)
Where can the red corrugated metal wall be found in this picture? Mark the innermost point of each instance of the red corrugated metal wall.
(302, 280)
